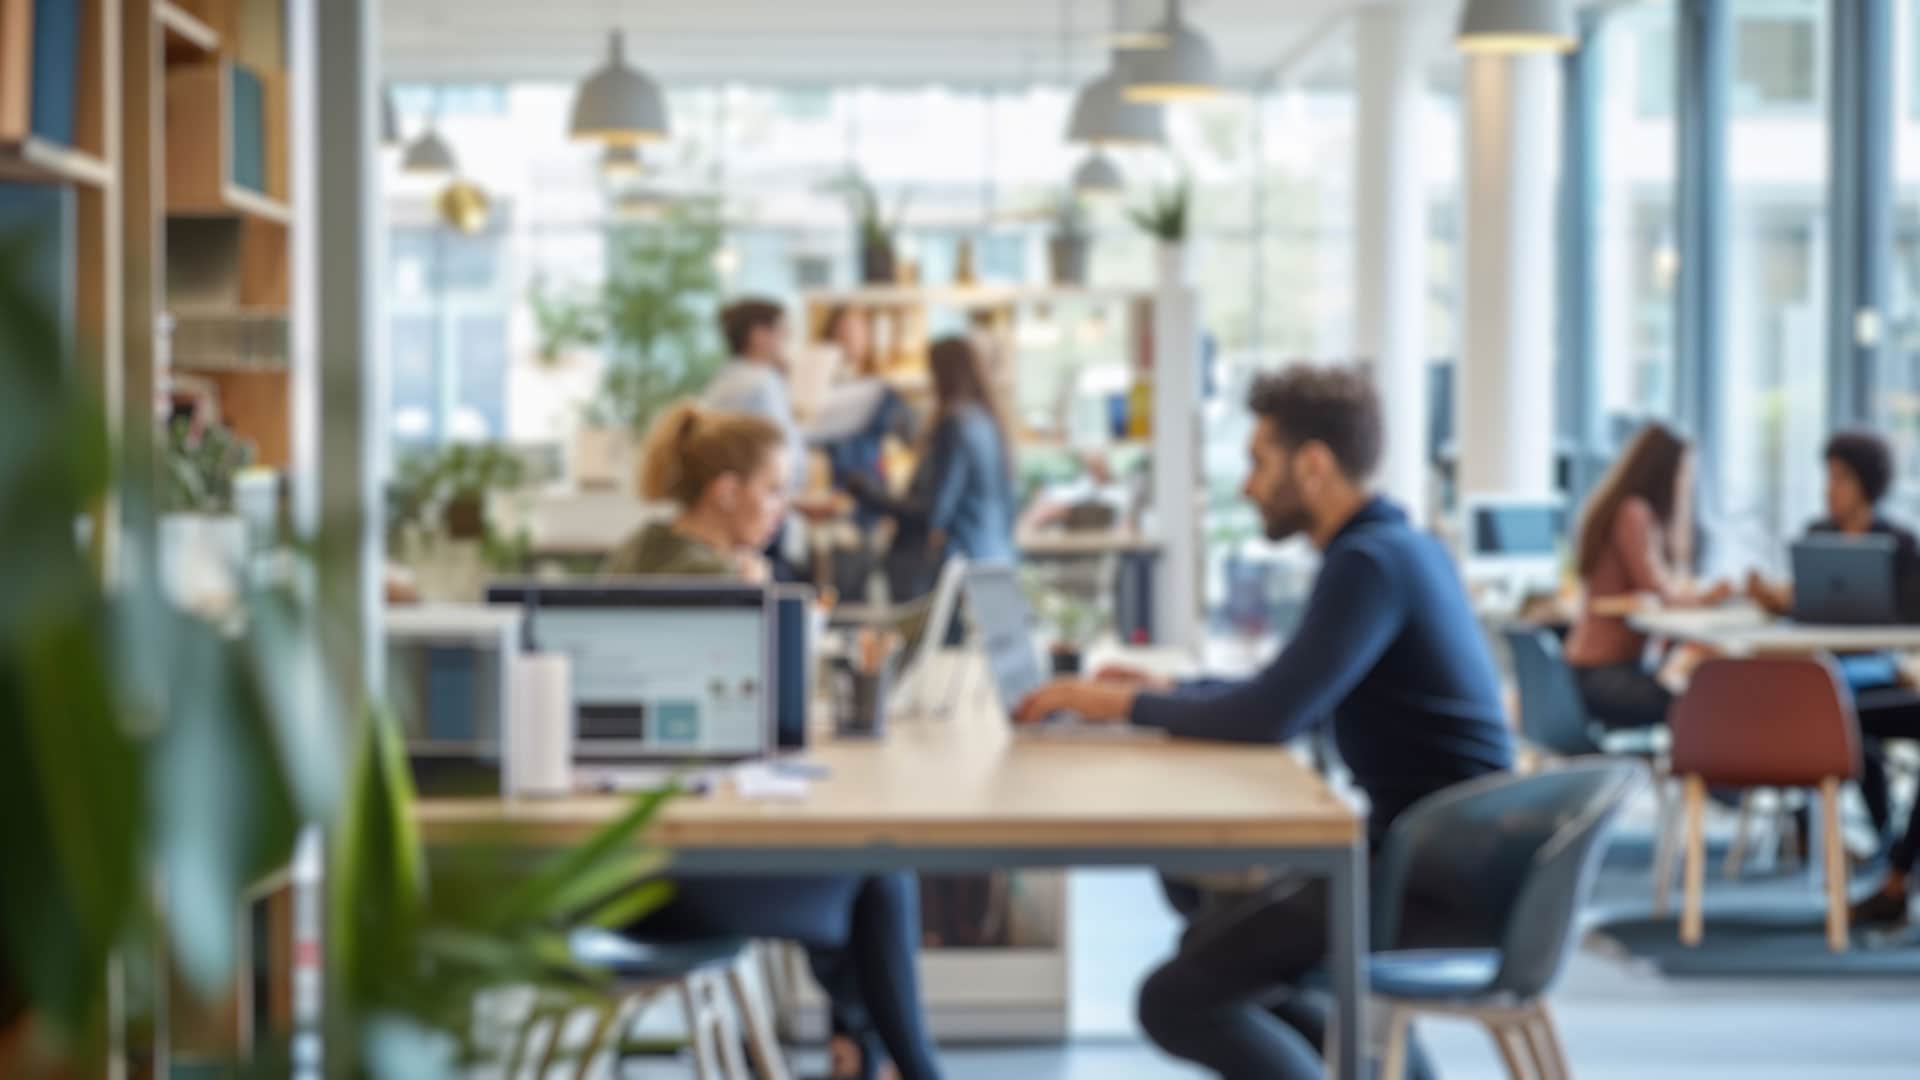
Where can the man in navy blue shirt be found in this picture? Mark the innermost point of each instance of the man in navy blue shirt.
(1388, 653)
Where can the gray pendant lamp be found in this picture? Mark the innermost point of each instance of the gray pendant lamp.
(1103, 115)
(617, 103)
(1505, 27)
(618, 161)
(1132, 33)
(1098, 176)
(1185, 69)
(428, 155)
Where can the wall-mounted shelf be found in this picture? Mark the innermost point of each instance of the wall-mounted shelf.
(42, 161)
(188, 36)
(225, 141)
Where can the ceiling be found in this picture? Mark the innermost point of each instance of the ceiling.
(967, 42)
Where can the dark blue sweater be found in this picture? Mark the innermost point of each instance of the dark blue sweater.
(1389, 652)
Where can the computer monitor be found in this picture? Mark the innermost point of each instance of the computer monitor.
(793, 681)
(1513, 539)
(665, 671)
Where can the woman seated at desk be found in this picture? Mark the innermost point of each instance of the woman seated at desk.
(1859, 475)
(727, 474)
(1636, 538)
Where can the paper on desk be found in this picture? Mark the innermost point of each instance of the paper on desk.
(762, 781)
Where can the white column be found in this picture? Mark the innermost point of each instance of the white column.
(1390, 243)
(1505, 391)
(1179, 493)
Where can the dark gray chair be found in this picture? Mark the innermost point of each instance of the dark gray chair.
(1520, 853)
(1552, 715)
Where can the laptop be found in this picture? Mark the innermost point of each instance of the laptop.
(673, 678)
(1003, 624)
(1846, 581)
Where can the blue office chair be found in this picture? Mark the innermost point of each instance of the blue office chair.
(1552, 716)
(1519, 854)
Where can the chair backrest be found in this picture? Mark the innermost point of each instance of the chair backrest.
(1517, 854)
(1552, 714)
(1772, 722)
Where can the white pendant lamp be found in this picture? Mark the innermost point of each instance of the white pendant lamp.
(617, 103)
(1098, 176)
(1132, 33)
(428, 155)
(624, 160)
(1506, 27)
(1185, 69)
(1103, 115)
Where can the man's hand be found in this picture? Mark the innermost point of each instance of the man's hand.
(1089, 700)
(1128, 675)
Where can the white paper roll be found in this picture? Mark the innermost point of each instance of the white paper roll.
(539, 750)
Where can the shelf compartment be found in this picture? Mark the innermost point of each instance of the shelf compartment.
(188, 37)
(226, 142)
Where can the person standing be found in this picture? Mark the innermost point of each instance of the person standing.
(961, 499)
(1388, 654)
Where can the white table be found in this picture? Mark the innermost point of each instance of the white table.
(1746, 630)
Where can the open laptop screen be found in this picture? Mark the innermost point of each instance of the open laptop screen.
(675, 671)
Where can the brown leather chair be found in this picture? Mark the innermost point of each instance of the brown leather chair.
(1775, 723)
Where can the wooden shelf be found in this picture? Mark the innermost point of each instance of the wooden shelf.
(188, 37)
(42, 161)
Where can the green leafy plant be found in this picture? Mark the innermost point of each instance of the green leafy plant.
(654, 315)
(1166, 213)
(1070, 219)
(201, 466)
(448, 488)
(872, 225)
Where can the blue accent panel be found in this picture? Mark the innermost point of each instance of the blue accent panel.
(249, 150)
(41, 217)
(451, 705)
(56, 69)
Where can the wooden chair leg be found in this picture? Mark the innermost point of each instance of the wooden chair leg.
(769, 1061)
(1552, 1057)
(1668, 830)
(597, 1041)
(1394, 1067)
(1836, 859)
(1512, 1044)
(1696, 841)
(1737, 854)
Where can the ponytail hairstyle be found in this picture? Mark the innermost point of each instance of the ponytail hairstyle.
(690, 448)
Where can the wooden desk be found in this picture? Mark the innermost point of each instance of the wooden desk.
(1746, 630)
(960, 794)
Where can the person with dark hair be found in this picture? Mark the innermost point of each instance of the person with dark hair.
(1635, 540)
(961, 498)
(1859, 475)
(754, 383)
(862, 412)
(1388, 654)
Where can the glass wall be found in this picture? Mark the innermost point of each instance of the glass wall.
(1897, 400)
(1774, 371)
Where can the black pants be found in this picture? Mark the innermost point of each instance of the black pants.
(866, 929)
(1623, 697)
(1889, 714)
(1232, 998)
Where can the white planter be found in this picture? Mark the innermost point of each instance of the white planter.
(1174, 264)
(201, 559)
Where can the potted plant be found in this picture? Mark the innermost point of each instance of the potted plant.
(202, 541)
(1071, 245)
(1166, 217)
(1076, 623)
(876, 235)
(563, 324)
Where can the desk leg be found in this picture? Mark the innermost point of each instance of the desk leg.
(1347, 955)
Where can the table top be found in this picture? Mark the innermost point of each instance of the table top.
(1746, 630)
(1072, 544)
(962, 781)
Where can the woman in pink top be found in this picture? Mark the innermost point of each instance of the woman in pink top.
(1636, 539)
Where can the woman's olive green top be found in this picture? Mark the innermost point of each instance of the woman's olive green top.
(660, 549)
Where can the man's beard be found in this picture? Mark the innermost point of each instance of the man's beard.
(1285, 520)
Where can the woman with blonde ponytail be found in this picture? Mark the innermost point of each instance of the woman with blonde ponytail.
(726, 473)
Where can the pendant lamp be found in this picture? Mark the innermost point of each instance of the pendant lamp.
(617, 103)
(428, 155)
(1098, 176)
(1103, 115)
(1506, 27)
(1185, 69)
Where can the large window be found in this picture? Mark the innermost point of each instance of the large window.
(1773, 375)
(1638, 262)
(1897, 398)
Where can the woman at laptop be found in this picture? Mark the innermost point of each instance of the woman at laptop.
(1859, 475)
(727, 474)
(1635, 540)
(961, 498)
